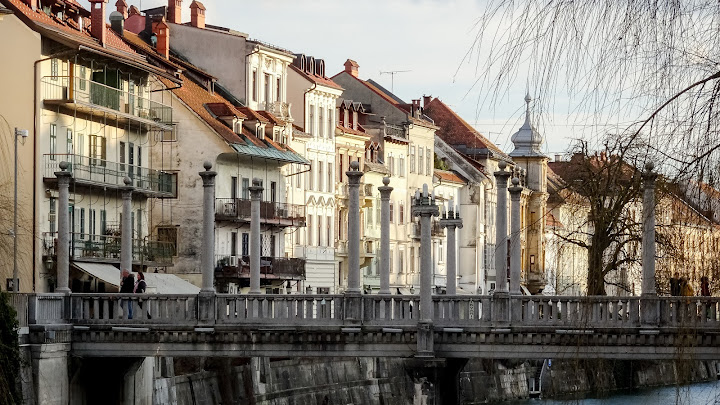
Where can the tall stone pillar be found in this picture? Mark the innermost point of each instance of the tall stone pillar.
(354, 175)
(385, 191)
(451, 222)
(208, 235)
(63, 244)
(501, 179)
(515, 239)
(648, 236)
(425, 208)
(126, 242)
(256, 191)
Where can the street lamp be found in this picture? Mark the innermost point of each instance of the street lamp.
(16, 280)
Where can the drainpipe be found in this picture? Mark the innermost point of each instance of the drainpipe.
(35, 149)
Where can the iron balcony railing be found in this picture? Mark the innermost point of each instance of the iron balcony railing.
(270, 267)
(435, 229)
(75, 89)
(272, 213)
(106, 248)
(395, 131)
(366, 190)
(92, 170)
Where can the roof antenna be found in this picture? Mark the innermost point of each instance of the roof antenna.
(392, 74)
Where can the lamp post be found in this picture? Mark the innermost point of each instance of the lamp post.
(16, 280)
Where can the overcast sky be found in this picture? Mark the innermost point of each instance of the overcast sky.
(426, 38)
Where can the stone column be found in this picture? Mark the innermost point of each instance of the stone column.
(354, 175)
(425, 208)
(385, 191)
(451, 221)
(515, 248)
(63, 243)
(208, 235)
(649, 304)
(501, 179)
(256, 191)
(126, 242)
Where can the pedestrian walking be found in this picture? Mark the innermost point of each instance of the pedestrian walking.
(675, 284)
(140, 287)
(127, 286)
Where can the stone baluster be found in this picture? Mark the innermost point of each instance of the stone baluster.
(385, 191)
(63, 242)
(353, 292)
(256, 191)
(126, 242)
(208, 235)
(425, 208)
(451, 221)
(649, 292)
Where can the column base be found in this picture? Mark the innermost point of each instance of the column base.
(353, 307)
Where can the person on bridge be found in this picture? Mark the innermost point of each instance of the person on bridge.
(127, 285)
(140, 287)
(675, 284)
(704, 286)
(686, 288)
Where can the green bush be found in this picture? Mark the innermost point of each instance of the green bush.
(9, 353)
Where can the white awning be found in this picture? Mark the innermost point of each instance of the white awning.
(157, 283)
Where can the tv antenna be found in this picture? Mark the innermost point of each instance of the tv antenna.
(392, 74)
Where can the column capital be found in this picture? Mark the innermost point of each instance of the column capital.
(649, 176)
(208, 176)
(450, 222)
(502, 175)
(256, 188)
(516, 189)
(385, 189)
(423, 204)
(354, 174)
(128, 188)
(64, 174)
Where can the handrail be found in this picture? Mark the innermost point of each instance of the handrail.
(107, 247)
(270, 212)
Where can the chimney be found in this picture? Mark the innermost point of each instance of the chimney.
(197, 14)
(174, 11)
(351, 67)
(162, 32)
(97, 20)
(426, 100)
(122, 8)
(117, 22)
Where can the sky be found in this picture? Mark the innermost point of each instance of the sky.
(427, 40)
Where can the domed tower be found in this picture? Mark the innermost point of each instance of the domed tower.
(533, 164)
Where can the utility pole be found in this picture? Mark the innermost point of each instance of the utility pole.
(392, 74)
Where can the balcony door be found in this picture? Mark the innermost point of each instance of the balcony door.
(104, 89)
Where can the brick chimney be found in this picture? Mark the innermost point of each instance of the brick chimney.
(197, 14)
(97, 20)
(174, 11)
(426, 100)
(351, 67)
(162, 32)
(122, 8)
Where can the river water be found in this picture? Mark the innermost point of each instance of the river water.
(694, 394)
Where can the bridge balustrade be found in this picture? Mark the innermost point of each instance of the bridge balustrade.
(461, 310)
(285, 309)
(146, 308)
(395, 310)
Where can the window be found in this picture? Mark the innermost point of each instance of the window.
(82, 223)
(412, 259)
(321, 122)
(245, 247)
(278, 89)
(233, 243)
(53, 214)
(53, 141)
(97, 150)
(103, 223)
(392, 260)
(378, 211)
(254, 85)
(401, 260)
(233, 187)
(309, 230)
(54, 67)
(441, 253)
(428, 164)
(298, 179)
(330, 185)
(392, 213)
(166, 234)
(319, 230)
(328, 230)
(391, 165)
(273, 191)
(91, 229)
(82, 75)
(330, 123)
(80, 147)
(369, 215)
(311, 120)
(401, 167)
(311, 173)
(401, 213)
(272, 246)
(321, 176)
(412, 158)
(420, 160)
(268, 89)
(246, 188)
(341, 168)
(122, 156)
(70, 148)
(139, 233)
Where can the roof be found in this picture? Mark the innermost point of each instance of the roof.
(376, 167)
(315, 78)
(349, 130)
(299, 132)
(449, 176)
(158, 283)
(456, 131)
(551, 221)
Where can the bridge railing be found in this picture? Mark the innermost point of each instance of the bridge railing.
(133, 308)
(288, 309)
(391, 310)
(461, 310)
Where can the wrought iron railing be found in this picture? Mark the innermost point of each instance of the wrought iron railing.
(281, 214)
(92, 170)
(76, 89)
(395, 131)
(107, 248)
(270, 267)
(435, 229)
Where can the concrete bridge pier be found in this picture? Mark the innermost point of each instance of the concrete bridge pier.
(424, 206)
(501, 299)
(353, 311)
(50, 379)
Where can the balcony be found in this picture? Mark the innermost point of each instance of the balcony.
(99, 172)
(366, 248)
(106, 249)
(277, 268)
(100, 100)
(279, 109)
(271, 213)
(366, 193)
(396, 131)
(435, 229)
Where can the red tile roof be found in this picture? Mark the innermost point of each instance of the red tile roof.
(456, 131)
(352, 131)
(317, 79)
(448, 176)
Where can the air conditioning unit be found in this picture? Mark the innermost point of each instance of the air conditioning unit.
(233, 261)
